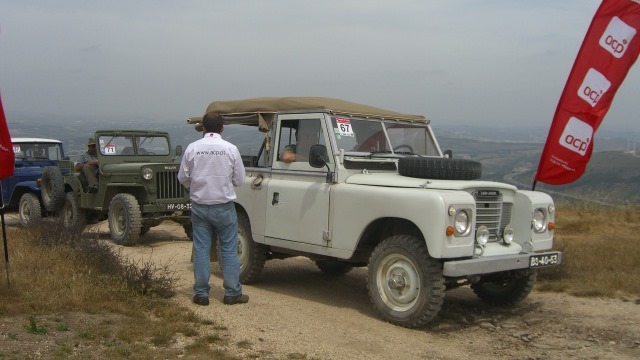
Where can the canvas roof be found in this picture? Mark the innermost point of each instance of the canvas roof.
(283, 104)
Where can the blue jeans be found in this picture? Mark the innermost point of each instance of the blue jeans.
(223, 220)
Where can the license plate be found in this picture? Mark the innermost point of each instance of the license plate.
(181, 206)
(543, 260)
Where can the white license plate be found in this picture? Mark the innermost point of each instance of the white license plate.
(543, 260)
(181, 206)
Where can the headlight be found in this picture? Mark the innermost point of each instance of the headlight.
(147, 173)
(539, 220)
(461, 222)
(482, 235)
(507, 234)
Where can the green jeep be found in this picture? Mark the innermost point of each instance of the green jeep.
(137, 186)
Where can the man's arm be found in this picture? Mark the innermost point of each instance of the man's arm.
(184, 174)
(288, 154)
(238, 168)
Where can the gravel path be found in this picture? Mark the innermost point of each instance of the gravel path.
(297, 312)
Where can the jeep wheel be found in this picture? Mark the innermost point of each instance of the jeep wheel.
(505, 288)
(188, 230)
(72, 215)
(125, 220)
(251, 254)
(29, 210)
(144, 229)
(52, 188)
(439, 168)
(333, 267)
(405, 284)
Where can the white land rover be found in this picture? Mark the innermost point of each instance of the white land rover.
(371, 187)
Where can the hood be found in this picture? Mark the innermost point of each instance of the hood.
(135, 167)
(397, 180)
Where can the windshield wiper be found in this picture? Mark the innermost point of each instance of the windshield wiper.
(372, 153)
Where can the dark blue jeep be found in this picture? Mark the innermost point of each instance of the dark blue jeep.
(22, 190)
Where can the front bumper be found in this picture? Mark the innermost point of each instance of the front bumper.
(493, 264)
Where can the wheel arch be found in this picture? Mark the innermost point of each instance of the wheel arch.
(380, 229)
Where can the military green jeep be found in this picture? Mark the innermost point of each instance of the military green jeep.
(137, 186)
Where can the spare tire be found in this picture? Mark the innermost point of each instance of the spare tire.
(52, 190)
(439, 168)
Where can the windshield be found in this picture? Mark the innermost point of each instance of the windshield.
(370, 136)
(37, 151)
(133, 145)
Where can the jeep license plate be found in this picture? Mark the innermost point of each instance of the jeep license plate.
(181, 206)
(536, 261)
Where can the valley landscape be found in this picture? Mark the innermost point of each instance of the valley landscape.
(509, 154)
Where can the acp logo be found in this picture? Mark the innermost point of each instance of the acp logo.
(593, 86)
(616, 37)
(576, 136)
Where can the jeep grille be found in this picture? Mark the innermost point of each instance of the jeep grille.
(168, 185)
(493, 213)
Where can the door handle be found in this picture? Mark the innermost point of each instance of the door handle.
(276, 198)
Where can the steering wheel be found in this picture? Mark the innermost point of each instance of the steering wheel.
(403, 146)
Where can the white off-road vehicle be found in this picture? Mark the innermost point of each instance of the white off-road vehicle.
(371, 187)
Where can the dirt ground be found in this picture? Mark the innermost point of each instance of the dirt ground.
(295, 309)
(297, 312)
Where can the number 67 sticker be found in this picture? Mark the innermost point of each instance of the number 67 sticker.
(344, 127)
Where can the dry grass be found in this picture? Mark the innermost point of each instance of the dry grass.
(601, 251)
(72, 299)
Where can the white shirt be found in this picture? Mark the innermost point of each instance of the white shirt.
(210, 168)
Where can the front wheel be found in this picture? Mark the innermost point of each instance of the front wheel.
(505, 288)
(29, 210)
(251, 254)
(72, 215)
(125, 221)
(405, 284)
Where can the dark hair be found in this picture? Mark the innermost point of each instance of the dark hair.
(212, 122)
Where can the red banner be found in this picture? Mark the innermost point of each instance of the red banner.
(7, 158)
(608, 51)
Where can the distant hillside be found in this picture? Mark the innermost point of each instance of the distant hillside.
(510, 155)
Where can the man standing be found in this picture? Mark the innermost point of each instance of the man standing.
(88, 164)
(210, 168)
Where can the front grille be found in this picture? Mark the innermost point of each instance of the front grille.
(168, 185)
(493, 213)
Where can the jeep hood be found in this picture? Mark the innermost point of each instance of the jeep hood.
(397, 180)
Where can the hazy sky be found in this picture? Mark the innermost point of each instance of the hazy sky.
(461, 62)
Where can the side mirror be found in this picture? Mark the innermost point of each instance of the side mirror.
(178, 150)
(318, 156)
(448, 154)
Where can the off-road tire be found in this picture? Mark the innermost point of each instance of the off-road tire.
(405, 284)
(29, 209)
(125, 220)
(505, 288)
(144, 229)
(52, 190)
(439, 168)
(73, 217)
(251, 254)
(333, 267)
(188, 230)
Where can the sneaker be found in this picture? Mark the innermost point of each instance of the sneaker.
(238, 299)
(201, 300)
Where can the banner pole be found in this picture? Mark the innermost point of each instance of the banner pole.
(533, 187)
(4, 238)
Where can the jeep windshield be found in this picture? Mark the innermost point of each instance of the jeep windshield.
(133, 145)
(368, 138)
(31, 151)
